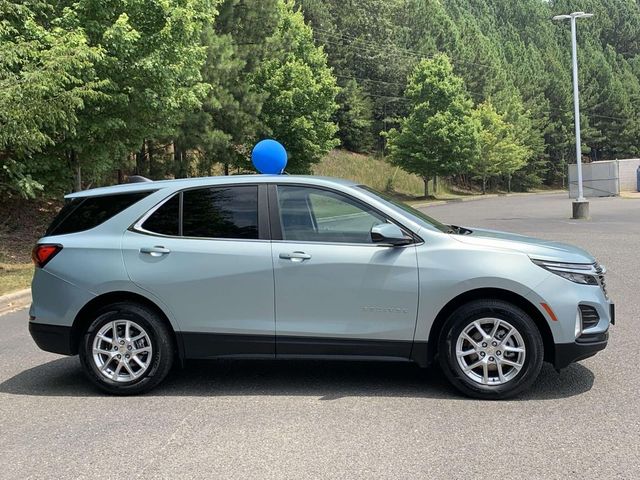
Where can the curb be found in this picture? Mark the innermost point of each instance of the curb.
(633, 195)
(474, 198)
(15, 301)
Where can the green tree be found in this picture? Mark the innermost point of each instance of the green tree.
(501, 152)
(354, 118)
(365, 41)
(151, 69)
(491, 139)
(439, 136)
(91, 86)
(225, 127)
(46, 76)
(527, 131)
(300, 92)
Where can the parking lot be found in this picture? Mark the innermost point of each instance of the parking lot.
(257, 419)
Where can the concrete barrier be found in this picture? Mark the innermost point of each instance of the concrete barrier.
(627, 174)
(605, 178)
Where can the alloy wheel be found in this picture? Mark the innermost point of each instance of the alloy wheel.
(490, 351)
(122, 351)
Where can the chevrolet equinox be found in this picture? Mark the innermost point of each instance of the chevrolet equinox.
(138, 276)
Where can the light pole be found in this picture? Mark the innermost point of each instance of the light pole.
(580, 205)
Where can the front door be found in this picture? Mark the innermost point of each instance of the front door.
(205, 255)
(337, 292)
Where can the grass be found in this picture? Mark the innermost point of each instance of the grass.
(370, 171)
(15, 276)
(380, 175)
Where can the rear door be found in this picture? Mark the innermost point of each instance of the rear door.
(206, 254)
(337, 292)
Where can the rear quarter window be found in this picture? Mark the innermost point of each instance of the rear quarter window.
(166, 219)
(85, 213)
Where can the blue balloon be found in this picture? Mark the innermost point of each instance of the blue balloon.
(269, 156)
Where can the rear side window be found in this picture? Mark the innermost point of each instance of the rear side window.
(166, 219)
(88, 212)
(221, 212)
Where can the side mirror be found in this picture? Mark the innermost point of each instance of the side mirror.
(389, 233)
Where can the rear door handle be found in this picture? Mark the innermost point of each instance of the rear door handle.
(295, 256)
(155, 251)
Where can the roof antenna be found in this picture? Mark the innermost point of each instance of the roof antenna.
(138, 179)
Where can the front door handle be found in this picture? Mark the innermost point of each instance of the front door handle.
(155, 251)
(295, 256)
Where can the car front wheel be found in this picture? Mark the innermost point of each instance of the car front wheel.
(127, 349)
(491, 349)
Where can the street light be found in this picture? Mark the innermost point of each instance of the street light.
(580, 205)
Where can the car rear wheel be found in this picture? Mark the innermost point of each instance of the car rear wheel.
(127, 349)
(491, 349)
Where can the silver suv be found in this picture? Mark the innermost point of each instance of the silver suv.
(134, 277)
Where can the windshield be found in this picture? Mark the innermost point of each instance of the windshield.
(417, 214)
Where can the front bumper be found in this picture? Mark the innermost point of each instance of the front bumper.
(585, 346)
(52, 338)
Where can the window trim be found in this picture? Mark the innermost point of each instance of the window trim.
(276, 227)
(263, 214)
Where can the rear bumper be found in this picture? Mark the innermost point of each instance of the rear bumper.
(584, 347)
(52, 338)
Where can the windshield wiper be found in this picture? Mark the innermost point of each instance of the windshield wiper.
(459, 230)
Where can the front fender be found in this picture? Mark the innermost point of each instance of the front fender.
(452, 269)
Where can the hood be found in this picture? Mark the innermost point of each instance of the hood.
(534, 247)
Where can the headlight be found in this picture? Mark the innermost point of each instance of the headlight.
(583, 273)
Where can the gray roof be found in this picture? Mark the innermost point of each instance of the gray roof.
(181, 183)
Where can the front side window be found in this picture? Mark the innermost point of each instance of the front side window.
(317, 215)
(221, 212)
(416, 214)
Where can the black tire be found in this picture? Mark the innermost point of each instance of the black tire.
(162, 354)
(502, 310)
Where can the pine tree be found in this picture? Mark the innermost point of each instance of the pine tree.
(354, 118)
(300, 92)
(226, 126)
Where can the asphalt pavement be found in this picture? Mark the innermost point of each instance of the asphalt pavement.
(289, 420)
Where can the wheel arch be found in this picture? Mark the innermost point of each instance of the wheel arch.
(490, 294)
(84, 316)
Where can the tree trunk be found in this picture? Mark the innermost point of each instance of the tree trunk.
(435, 184)
(140, 157)
(426, 186)
(177, 159)
(77, 171)
(509, 183)
(78, 178)
(150, 171)
(226, 168)
(484, 184)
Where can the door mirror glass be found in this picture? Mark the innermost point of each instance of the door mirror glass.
(389, 233)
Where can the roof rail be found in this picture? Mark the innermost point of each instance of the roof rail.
(138, 179)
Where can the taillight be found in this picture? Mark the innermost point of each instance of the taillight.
(43, 252)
